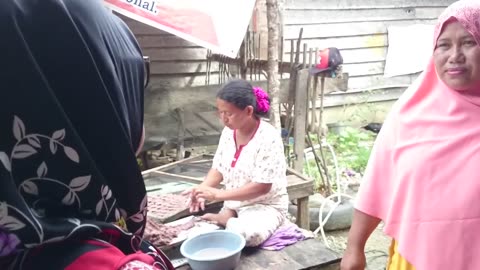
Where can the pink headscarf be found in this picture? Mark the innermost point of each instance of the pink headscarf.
(423, 178)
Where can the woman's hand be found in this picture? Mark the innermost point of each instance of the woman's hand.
(193, 203)
(207, 193)
(353, 260)
(362, 227)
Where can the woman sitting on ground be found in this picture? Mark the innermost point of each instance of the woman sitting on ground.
(251, 163)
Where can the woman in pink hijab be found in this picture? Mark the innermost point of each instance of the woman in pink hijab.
(422, 180)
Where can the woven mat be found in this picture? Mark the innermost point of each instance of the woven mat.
(162, 235)
(164, 206)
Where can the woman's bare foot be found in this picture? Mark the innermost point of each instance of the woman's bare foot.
(220, 218)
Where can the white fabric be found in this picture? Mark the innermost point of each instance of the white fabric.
(409, 49)
(262, 160)
(256, 223)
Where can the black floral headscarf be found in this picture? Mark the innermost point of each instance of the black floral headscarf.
(71, 117)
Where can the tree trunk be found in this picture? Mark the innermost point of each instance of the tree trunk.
(273, 81)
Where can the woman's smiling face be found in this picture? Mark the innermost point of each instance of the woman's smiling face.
(457, 58)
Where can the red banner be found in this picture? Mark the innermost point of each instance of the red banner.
(219, 25)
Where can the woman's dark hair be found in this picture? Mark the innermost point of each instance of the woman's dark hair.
(240, 93)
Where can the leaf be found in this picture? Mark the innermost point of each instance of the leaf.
(11, 224)
(105, 190)
(34, 141)
(39, 212)
(80, 183)
(137, 218)
(99, 207)
(69, 199)
(143, 204)
(75, 221)
(5, 161)
(42, 170)
(71, 154)
(54, 239)
(30, 188)
(59, 135)
(18, 128)
(30, 245)
(123, 213)
(117, 214)
(109, 195)
(23, 151)
(53, 146)
(3, 210)
(139, 231)
(86, 212)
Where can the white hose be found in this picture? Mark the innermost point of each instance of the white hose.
(338, 194)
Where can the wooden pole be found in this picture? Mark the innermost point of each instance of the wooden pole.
(293, 81)
(181, 134)
(311, 97)
(272, 73)
(300, 112)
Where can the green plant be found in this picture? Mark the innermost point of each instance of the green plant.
(352, 148)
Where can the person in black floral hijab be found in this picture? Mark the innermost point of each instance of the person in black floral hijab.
(71, 120)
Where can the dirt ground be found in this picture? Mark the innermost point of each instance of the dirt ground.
(376, 249)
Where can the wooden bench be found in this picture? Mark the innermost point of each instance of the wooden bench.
(181, 175)
(308, 254)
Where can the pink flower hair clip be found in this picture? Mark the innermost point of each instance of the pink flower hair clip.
(263, 105)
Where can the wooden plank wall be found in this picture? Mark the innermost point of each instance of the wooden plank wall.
(359, 29)
(175, 63)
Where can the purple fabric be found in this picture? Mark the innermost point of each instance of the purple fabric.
(284, 236)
